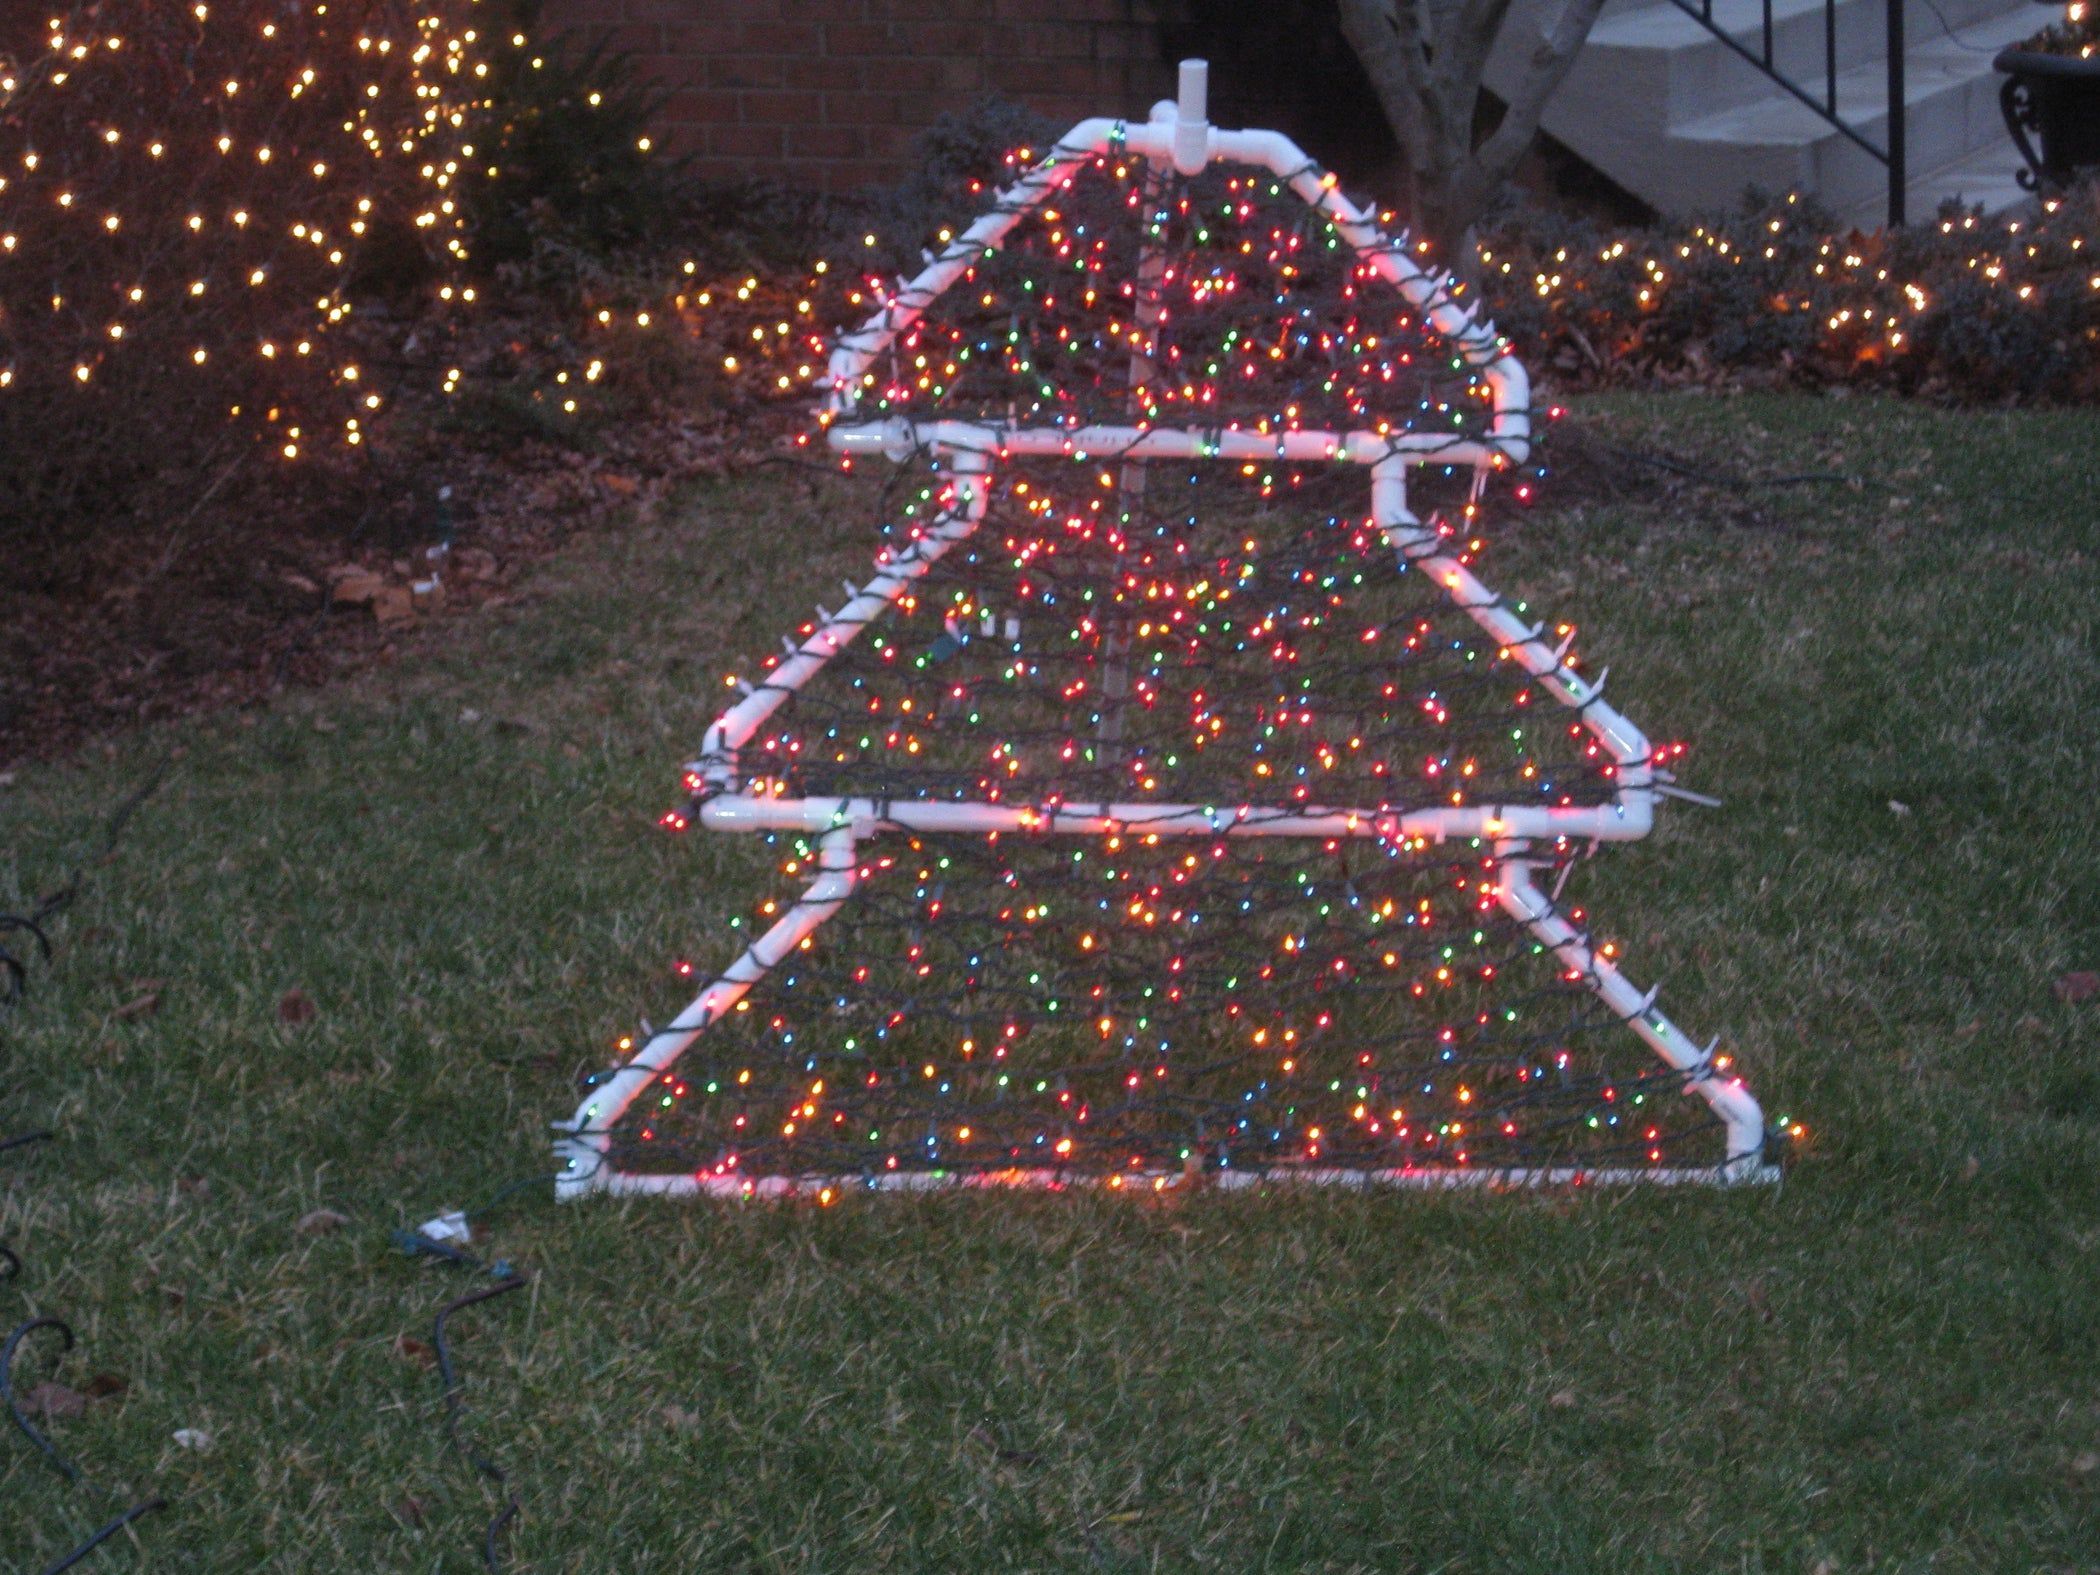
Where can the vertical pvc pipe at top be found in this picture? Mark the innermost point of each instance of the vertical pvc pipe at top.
(1191, 122)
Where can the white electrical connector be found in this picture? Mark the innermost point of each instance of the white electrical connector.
(447, 1230)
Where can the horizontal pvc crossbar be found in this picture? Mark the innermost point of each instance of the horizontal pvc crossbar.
(899, 437)
(730, 1186)
(585, 1147)
(1616, 822)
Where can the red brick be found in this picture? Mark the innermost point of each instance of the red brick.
(701, 106)
(889, 142)
(859, 109)
(907, 76)
(813, 174)
(746, 71)
(1047, 40)
(744, 142)
(831, 73)
(833, 91)
(1124, 42)
(629, 38)
(702, 38)
(856, 38)
(964, 76)
(824, 142)
(946, 38)
(579, 13)
(778, 38)
(1092, 10)
(783, 109)
(936, 10)
(1043, 78)
(698, 11)
(669, 72)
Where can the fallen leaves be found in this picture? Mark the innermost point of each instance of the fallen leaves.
(295, 1006)
(350, 585)
(409, 1348)
(393, 606)
(473, 563)
(320, 1222)
(2076, 987)
(353, 586)
(982, 1436)
(144, 1004)
(1760, 1303)
(54, 1401)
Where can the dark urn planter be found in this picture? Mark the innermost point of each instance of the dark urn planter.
(2052, 109)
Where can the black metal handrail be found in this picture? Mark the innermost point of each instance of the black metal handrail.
(1889, 152)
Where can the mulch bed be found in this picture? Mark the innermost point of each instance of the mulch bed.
(282, 587)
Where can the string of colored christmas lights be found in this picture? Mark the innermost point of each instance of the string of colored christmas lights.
(1139, 1005)
(1204, 301)
(1085, 614)
(1223, 630)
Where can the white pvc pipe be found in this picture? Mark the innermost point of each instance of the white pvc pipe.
(1741, 1117)
(1170, 137)
(867, 817)
(1178, 133)
(1191, 118)
(1632, 755)
(736, 727)
(856, 351)
(731, 1186)
(898, 436)
(587, 1139)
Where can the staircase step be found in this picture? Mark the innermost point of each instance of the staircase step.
(1674, 115)
(1985, 177)
(1704, 75)
(1950, 94)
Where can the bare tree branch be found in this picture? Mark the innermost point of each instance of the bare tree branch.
(1464, 45)
(1393, 56)
(1425, 59)
(1549, 65)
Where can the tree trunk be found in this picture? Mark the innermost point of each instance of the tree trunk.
(1425, 59)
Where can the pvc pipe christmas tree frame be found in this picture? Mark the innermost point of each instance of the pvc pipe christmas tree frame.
(971, 452)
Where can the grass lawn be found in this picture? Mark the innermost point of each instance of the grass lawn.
(1890, 1363)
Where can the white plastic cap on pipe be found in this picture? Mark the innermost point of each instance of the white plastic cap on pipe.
(1191, 128)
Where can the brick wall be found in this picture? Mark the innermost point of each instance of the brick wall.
(828, 93)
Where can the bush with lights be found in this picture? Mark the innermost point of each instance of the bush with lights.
(211, 218)
(1963, 307)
